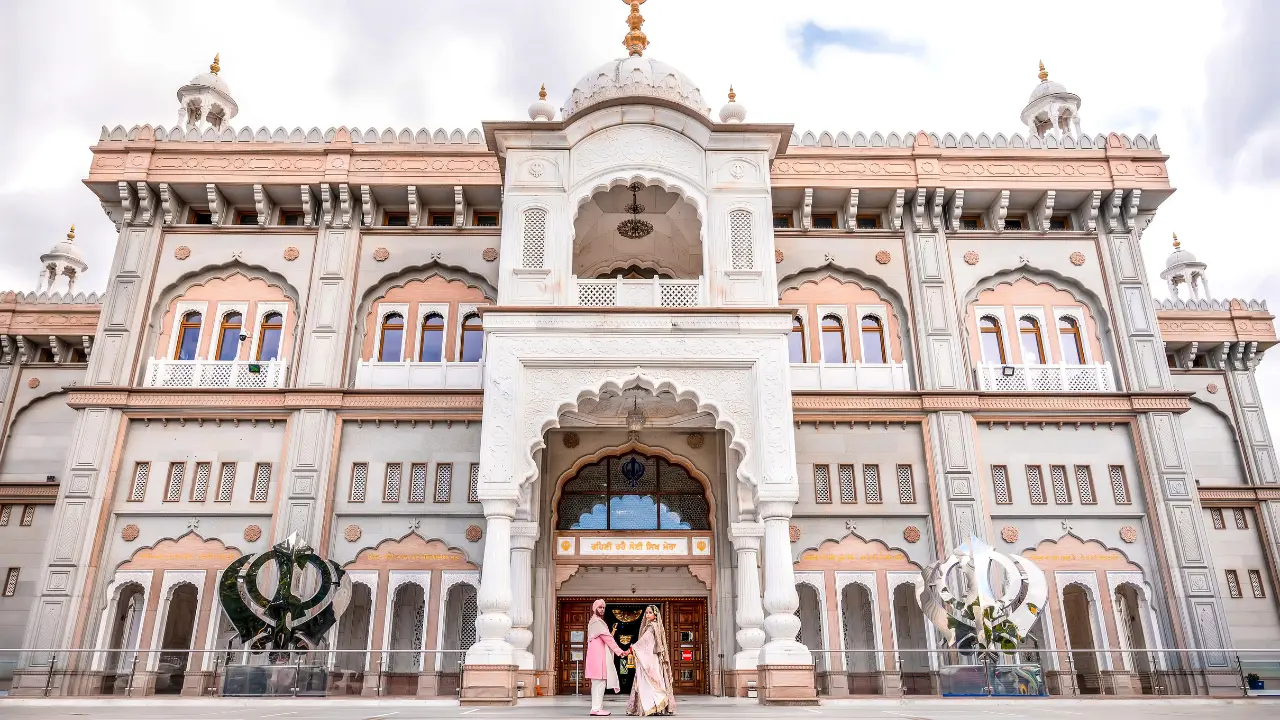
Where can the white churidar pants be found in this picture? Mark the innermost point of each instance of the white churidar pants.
(597, 695)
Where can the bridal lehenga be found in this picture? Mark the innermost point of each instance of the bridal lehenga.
(651, 692)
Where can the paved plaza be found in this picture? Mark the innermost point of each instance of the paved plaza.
(557, 708)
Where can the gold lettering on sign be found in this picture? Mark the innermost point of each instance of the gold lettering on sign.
(849, 557)
(1073, 557)
(227, 556)
(411, 557)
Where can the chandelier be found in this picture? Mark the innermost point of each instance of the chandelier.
(633, 228)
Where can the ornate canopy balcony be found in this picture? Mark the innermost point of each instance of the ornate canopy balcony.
(245, 374)
(638, 292)
(1045, 378)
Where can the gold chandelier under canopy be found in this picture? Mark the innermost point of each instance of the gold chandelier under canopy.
(633, 228)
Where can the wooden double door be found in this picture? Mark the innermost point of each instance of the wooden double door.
(686, 621)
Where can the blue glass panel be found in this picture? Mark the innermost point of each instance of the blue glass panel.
(633, 512)
(270, 349)
(187, 343)
(588, 509)
(671, 520)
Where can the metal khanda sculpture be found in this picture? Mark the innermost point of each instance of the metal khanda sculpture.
(995, 603)
(283, 620)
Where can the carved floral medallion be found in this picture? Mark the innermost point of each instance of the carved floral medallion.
(883, 257)
(794, 532)
(1077, 258)
(911, 534)
(489, 254)
(252, 533)
(129, 532)
(1009, 534)
(1129, 534)
(474, 533)
(352, 533)
(381, 254)
(33, 383)
(1211, 388)
(971, 257)
(291, 253)
(182, 252)
(571, 440)
(695, 440)
(777, 256)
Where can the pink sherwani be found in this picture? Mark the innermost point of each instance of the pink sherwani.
(601, 648)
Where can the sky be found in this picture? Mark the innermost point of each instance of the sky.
(1204, 76)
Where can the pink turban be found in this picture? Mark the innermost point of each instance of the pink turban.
(597, 604)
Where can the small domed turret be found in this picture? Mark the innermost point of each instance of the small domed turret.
(733, 111)
(1052, 108)
(541, 110)
(63, 260)
(1182, 268)
(206, 101)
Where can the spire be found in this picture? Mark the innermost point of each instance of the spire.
(542, 93)
(71, 234)
(215, 66)
(733, 111)
(541, 109)
(1176, 244)
(635, 41)
(1044, 74)
(732, 95)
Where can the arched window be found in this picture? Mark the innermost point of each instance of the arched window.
(1069, 335)
(833, 340)
(188, 336)
(431, 344)
(633, 492)
(992, 340)
(229, 336)
(269, 337)
(391, 343)
(873, 350)
(1032, 343)
(795, 341)
(472, 339)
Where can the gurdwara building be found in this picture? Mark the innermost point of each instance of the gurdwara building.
(638, 349)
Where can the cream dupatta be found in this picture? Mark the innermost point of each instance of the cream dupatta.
(651, 691)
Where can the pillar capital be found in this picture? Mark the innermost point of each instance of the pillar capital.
(775, 510)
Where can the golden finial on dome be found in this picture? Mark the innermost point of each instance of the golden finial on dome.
(542, 94)
(635, 41)
(1044, 74)
(732, 95)
(71, 234)
(1176, 244)
(215, 66)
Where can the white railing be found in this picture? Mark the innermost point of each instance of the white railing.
(1045, 378)
(421, 375)
(848, 376)
(247, 374)
(617, 292)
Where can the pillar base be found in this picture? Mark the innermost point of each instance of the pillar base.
(489, 685)
(736, 681)
(787, 685)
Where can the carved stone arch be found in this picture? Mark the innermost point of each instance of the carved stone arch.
(855, 276)
(1094, 305)
(1112, 558)
(634, 446)
(607, 180)
(1216, 410)
(427, 550)
(609, 267)
(209, 553)
(815, 557)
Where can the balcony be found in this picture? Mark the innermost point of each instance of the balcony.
(1045, 378)
(419, 375)
(655, 292)
(239, 374)
(848, 376)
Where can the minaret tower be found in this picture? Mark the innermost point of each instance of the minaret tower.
(62, 260)
(1052, 108)
(206, 101)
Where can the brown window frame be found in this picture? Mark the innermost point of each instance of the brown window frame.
(225, 483)
(287, 214)
(473, 483)
(413, 496)
(1064, 219)
(436, 495)
(351, 483)
(911, 474)
(28, 516)
(1241, 517)
(1124, 482)
(797, 325)
(833, 218)
(169, 491)
(1089, 483)
(11, 578)
(874, 218)
(382, 336)
(224, 326)
(242, 215)
(387, 485)
(141, 495)
(1234, 589)
(852, 486)
(422, 334)
(844, 342)
(477, 214)
(186, 324)
(1038, 482)
(1018, 220)
(982, 330)
(462, 335)
(266, 325)
(1072, 329)
(1006, 484)
(785, 217)
(195, 482)
(820, 469)
(433, 215)
(878, 329)
(980, 224)
(877, 497)
(1035, 329)
(196, 215)
(388, 215)
(253, 490)
(1255, 584)
(6, 512)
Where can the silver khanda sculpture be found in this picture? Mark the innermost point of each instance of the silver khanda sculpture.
(981, 599)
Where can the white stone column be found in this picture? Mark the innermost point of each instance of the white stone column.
(524, 534)
(750, 611)
(780, 598)
(494, 598)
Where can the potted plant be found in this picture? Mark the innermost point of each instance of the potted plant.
(1254, 681)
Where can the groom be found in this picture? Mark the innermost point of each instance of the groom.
(601, 648)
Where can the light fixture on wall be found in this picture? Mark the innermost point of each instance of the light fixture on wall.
(1007, 370)
(635, 419)
(633, 228)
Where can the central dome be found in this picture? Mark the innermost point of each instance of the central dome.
(635, 76)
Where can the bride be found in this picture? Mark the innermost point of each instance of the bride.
(651, 689)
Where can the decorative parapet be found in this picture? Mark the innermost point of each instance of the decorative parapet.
(56, 321)
(388, 136)
(45, 298)
(45, 493)
(1214, 322)
(825, 139)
